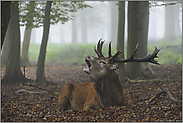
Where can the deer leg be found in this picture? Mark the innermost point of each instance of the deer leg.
(92, 104)
(64, 98)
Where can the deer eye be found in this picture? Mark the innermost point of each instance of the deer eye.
(102, 62)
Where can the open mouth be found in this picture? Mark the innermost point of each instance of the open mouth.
(88, 63)
(87, 68)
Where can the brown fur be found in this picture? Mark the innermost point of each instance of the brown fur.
(80, 96)
(83, 96)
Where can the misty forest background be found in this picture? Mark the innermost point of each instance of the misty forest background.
(67, 32)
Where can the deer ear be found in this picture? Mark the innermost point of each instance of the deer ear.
(114, 66)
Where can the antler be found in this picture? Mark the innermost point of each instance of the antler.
(110, 49)
(148, 58)
(99, 48)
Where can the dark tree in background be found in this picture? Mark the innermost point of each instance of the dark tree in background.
(138, 18)
(120, 38)
(5, 17)
(13, 73)
(40, 77)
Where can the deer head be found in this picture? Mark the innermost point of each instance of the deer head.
(99, 67)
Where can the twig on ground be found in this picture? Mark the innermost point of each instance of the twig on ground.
(156, 96)
(31, 92)
(167, 91)
(38, 88)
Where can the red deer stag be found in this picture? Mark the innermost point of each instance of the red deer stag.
(105, 89)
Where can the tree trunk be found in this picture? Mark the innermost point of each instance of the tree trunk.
(74, 31)
(40, 76)
(84, 34)
(62, 32)
(13, 73)
(25, 48)
(27, 35)
(5, 17)
(143, 32)
(170, 23)
(6, 47)
(138, 18)
(120, 41)
(114, 22)
(177, 21)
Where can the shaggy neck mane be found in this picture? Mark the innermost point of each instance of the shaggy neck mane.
(108, 89)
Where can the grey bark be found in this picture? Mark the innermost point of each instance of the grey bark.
(5, 18)
(84, 29)
(40, 75)
(114, 21)
(120, 38)
(6, 48)
(25, 48)
(27, 35)
(74, 31)
(138, 18)
(172, 27)
(13, 73)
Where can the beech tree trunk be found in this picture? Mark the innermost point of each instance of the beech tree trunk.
(40, 75)
(114, 22)
(120, 38)
(169, 23)
(84, 28)
(138, 19)
(5, 17)
(6, 48)
(172, 22)
(74, 31)
(25, 48)
(13, 73)
(27, 35)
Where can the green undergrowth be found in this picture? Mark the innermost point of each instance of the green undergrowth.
(74, 53)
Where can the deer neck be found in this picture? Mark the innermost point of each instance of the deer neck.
(109, 89)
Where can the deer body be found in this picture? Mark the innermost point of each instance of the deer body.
(103, 92)
(105, 89)
(80, 96)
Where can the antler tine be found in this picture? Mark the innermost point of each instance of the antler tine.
(98, 45)
(124, 60)
(154, 54)
(110, 49)
(116, 55)
(102, 42)
(96, 52)
(99, 48)
(134, 51)
(148, 58)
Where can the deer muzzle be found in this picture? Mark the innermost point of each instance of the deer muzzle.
(88, 67)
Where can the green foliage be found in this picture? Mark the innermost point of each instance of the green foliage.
(75, 53)
(72, 53)
(34, 51)
(61, 11)
(170, 53)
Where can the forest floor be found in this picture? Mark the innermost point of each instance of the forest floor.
(25, 103)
